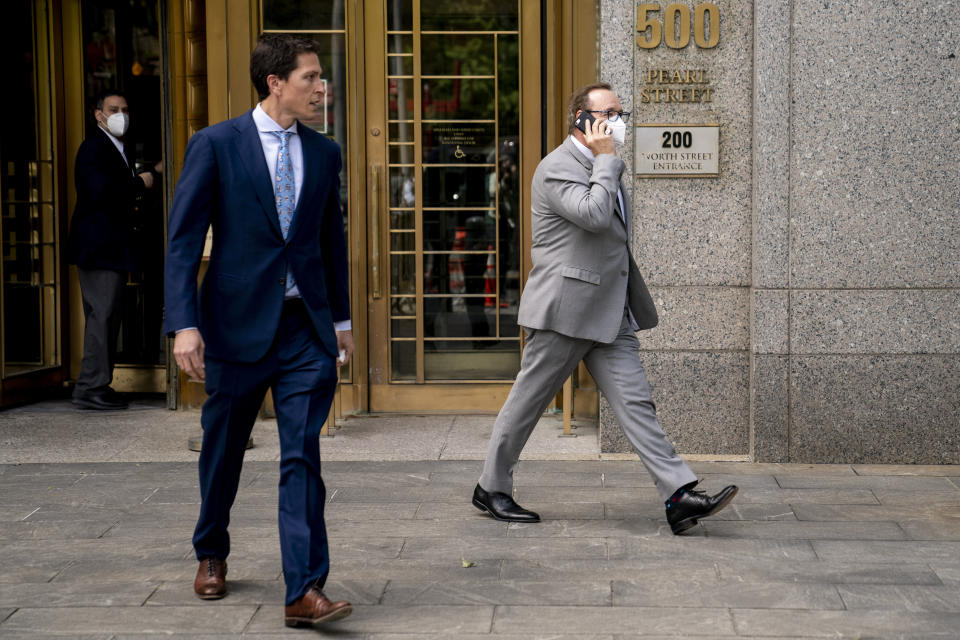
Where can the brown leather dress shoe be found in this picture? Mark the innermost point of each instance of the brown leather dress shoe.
(313, 608)
(211, 580)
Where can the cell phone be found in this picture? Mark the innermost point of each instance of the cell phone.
(584, 120)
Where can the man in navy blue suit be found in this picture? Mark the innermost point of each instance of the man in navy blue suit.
(273, 310)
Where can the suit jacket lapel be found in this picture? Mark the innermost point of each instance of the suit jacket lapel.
(627, 211)
(314, 166)
(250, 151)
(124, 159)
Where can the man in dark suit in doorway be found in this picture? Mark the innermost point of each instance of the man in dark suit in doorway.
(104, 245)
(273, 311)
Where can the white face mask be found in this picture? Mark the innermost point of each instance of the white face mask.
(617, 131)
(118, 123)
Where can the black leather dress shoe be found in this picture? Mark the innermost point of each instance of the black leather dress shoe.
(684, 512)
(501, 506)
(102, 402)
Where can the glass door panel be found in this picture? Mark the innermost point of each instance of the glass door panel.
(29, 236)
(451, 90)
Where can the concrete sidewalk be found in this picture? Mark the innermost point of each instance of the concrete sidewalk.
(98, 545)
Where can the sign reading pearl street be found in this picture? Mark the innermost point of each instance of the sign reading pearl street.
(678, 150)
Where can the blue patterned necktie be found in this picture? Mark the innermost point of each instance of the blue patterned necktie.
(284, 189)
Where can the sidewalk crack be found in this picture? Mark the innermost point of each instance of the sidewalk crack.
(250, 621)
(383, 594)
(446, 439)
(152, 593)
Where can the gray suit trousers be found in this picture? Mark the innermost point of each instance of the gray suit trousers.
(548, 359)
(101, 290)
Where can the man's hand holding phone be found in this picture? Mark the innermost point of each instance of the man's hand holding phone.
(595, 134)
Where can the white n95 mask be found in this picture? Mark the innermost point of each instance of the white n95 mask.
(118, 123)
(617, 131)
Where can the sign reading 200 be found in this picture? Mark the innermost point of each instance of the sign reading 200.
(673, 16)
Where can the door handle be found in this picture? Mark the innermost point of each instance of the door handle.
(374, 199)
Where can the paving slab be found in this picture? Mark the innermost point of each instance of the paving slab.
(714, 592)
(827, 573)
(366, 512)
(520, 548)
(805, 530)
(585, 529)
(934, 552)
(886, 483)
(545, 619)
(907, 470)
(502, 592)
(657, 570)
(912, 598)
(712, 550)
(845, 624)
(144, 620)
(35, 567)
(77, 594)
(875, 513)
(59, 529)
(350, 529)
(937, 528)
(907, 498)
(435, 569)
(771, 468)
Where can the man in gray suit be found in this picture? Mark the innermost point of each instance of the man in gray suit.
(584, 300)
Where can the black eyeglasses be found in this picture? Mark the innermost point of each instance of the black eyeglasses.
(613, 116)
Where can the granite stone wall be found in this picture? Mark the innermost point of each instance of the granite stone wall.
(809, 295)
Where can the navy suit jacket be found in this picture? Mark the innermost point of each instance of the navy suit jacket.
(225, 184)
(102, 230)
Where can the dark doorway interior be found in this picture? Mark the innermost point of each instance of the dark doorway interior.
(122, 52)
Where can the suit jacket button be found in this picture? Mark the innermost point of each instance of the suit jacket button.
(623, 273)
(282, 281)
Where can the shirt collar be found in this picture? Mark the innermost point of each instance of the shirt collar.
(114, 139)
(266, 123)
(583, 149)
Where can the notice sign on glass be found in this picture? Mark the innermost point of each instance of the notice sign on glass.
(678, 150)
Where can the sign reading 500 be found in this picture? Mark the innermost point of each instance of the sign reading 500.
(705, 34)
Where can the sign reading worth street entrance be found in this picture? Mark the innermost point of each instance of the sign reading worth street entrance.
(678, 150)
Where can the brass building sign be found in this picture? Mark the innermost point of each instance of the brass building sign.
(678, 150)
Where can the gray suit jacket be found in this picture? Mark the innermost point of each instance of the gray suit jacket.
(583, 274)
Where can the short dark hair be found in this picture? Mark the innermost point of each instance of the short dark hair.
(276, 54)
(103, 95)
(580, 100)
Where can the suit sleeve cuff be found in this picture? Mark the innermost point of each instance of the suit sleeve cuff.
(184, 329)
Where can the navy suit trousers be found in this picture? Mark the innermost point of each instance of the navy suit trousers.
(303, 378)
